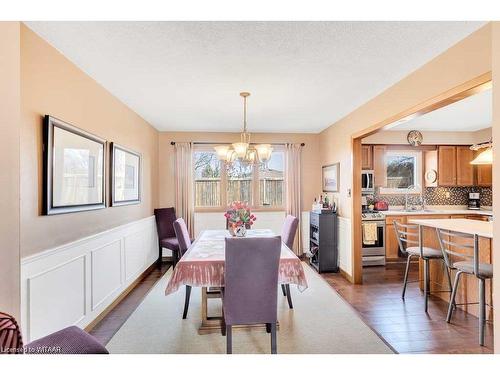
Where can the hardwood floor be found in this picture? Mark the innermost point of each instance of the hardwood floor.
(403, 324)
(112, 322)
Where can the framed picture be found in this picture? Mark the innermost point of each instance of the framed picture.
(125, 176)
(331, 177)
(74, 171)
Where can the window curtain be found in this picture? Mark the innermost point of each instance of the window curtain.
(184, 206)
(293, 190)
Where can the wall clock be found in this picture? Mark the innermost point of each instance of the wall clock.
(415, 138)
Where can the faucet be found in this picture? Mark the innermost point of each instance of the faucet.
(421, 194)
(406, 196)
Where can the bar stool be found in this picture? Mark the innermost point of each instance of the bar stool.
(411, 234)
(468, 263)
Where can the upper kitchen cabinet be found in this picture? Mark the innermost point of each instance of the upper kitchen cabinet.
(366, 157)
(484, 175)
(447, 165)
(379, 166)
(454, 168)
(465, 170)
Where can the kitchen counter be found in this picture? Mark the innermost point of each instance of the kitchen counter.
(437, 211)
(481, 228)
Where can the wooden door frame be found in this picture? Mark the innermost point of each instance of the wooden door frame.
(469, 88)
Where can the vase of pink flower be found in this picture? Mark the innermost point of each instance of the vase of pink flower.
(239, 218)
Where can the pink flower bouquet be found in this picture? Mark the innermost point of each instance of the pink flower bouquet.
(239, 218)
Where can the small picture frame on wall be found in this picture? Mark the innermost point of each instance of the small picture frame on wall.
(73, 168)
(125, 176)
(331, 178)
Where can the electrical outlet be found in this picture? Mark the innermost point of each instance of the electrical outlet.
(447, 194)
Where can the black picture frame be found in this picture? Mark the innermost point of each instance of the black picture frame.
(114, 148)
(49, 207)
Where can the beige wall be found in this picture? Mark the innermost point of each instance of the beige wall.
(430, 138)
(311, 169)
(496, 179)
(50, 84)
(466, 60)
(9, 167)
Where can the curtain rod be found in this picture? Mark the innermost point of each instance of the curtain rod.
(224, 143)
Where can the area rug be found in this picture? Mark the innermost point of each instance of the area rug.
(321, 322)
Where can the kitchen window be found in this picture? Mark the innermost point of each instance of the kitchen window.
(217, 185)
(403, 169)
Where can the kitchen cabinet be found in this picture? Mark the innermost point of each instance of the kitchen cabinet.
(366, 157)
(447, 165)
(465, 170)
(379, 168)
(484, 175)
(454, 168)
(391, 241)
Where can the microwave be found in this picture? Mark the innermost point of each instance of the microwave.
(367, 183)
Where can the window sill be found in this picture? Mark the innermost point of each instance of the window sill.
(221, 209)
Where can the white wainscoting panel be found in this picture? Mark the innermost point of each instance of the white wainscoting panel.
(344, 245)
(72, 284)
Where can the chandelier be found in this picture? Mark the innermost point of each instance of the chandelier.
(244, 151)
(485, 156)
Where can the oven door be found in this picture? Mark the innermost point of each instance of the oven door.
(377, 248)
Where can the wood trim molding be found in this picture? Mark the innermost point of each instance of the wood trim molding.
(469, 88)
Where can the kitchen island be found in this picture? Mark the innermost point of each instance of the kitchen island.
(468, 288)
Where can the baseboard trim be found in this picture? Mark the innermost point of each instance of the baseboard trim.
(346, 276)
(118, 299)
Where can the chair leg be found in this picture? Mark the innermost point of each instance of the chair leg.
(186, 301)
(426, 284)
(289, 296)
(268, 327)
(283, 289)
(448, 278)
(160, 256)
(229, 340)
(273, 339)
(405, 283)
(453, 296)
(482, 311)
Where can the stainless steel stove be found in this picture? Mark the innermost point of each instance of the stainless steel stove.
(374, 253)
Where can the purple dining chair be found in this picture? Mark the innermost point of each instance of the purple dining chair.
(250, 292)
(184, 240)
(70, 340)
(288, 235)
(165, 218)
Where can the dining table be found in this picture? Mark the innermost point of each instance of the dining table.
(203, 266)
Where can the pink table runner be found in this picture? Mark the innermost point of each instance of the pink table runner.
(203, 263)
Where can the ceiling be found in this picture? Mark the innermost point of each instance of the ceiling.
(303, 76)
(467, 115)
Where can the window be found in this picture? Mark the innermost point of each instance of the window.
(403, 171)
(239, 183)
(216, 185)
(207, 179)
(272, 181)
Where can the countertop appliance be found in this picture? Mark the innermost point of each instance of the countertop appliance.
(374, 254)
(474, 201)
(381, 206)
(367, 182)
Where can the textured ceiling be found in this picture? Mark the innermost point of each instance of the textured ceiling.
(470, 114)
(303, 76)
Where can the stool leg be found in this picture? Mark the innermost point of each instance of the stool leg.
(426, 283)
(406, 276)
(448, 278)
(453, 295)
(283, 289)
(482, 311)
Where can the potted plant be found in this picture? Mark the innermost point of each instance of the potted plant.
(239, 218)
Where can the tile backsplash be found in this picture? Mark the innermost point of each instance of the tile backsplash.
(436, 196)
